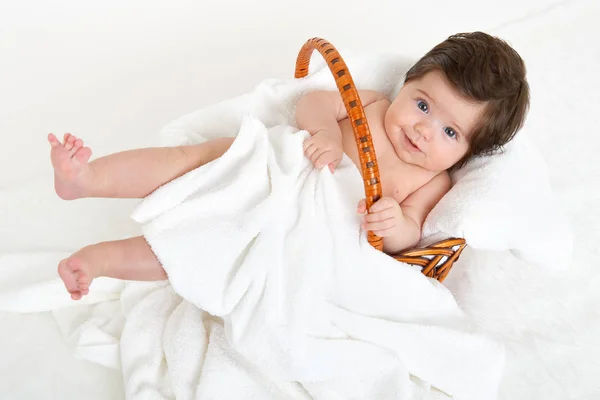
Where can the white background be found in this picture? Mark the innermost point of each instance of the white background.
(114, 72)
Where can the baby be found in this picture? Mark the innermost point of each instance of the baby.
(467, 96)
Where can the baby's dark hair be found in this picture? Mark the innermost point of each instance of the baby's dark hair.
(482, 68)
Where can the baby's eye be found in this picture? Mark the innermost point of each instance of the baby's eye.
(450, 132)
(423, 106)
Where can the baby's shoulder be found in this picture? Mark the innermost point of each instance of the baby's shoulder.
(382, 102)
(432, 190)
(376, 111)
(439, 185)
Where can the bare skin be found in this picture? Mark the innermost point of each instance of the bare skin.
(129, 259)
(129, 174)
(419, 135)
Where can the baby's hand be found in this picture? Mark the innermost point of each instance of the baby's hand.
(384, 218)
(324, 148)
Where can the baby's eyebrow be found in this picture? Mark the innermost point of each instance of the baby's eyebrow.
(426, 95)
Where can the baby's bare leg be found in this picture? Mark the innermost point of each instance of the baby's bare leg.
(128, 174)
(129, 259)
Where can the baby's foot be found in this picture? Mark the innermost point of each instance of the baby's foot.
(72, 172)
(77, 273)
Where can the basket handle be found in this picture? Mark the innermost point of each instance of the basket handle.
(356, 114)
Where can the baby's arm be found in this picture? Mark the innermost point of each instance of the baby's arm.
(323, 109)
(400, 224)
(319, 112)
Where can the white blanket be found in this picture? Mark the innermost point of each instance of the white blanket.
(274, 248)
(302, 305)
(547, 320)
(298, 294)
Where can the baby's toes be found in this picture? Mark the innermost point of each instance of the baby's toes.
(77, 144)
(53, 140)
(80, 275)
(83, 154)
(68, 277)
(70, 142)
(76, 295)
(83, 283)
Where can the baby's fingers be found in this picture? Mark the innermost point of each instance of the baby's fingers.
(333, 165)
(325, 158)
(362, 206)
(313, 152)
(383, 204)
(379, 215)
(383, 232)
(380, 228)
(309, 147)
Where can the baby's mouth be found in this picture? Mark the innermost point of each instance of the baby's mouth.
(411, 145)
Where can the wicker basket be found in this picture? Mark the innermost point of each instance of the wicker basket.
(436, 259)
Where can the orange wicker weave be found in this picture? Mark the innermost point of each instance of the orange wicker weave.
(436, 259)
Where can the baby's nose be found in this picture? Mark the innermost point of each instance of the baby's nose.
(424, 129)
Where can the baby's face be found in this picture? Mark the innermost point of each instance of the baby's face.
(429, 122)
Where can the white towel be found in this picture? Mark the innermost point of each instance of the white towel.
(169, 347)
(498, 203)
(273, 247)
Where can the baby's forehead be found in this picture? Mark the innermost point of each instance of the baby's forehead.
(436, 84)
